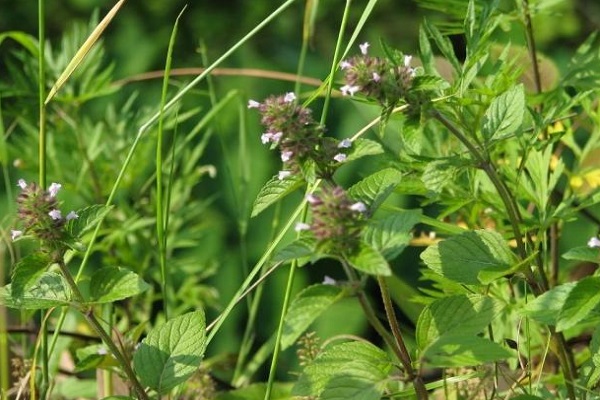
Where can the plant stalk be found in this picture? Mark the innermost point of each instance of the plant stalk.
(414, 376)
(88, 313)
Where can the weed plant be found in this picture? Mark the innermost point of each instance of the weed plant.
(484, 165)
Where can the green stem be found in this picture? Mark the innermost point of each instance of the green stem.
(335, 61)
(42, 170)
(415, 377)
(565, 359)
(88, 313)
(277, 349)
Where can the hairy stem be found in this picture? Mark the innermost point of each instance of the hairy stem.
(414, 376)
(88, 313)
(566, 360)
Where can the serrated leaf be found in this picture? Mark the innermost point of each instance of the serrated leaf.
(583, 253)
(581, 301)
(364, 147)
(273, 191)
(375, 188)
(308, 305)
(94, 356)
(461, 351)
(505, 114)
(437, 175)
(392, 234)
(87, 219)
(343, 387)
(257, 391)
(440, 317)
(110, 284)
(300, 248)
(369, 260)
(27, 271)
(461, 258)
(172, 352)
(354, 360)
(545, 308)
(50, 290)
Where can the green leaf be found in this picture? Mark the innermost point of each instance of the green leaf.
(369, 260)
(583, 253)
(257, 391)
(273, 191)
(343, 387)
(437, 175)
(302, 247)
(362, 148)
(374, 189)
(87, 219)
(172, 352)
(545, 308)
(50, 290)
(308, 305)
(455, 315)
(27, 41)
(392, 234)
(581, 301)
(443, 43)
(462, 350)
(461, 258)
(110, 284)
(505, 114)
(27, 271)
(94, 356)
(364, 366)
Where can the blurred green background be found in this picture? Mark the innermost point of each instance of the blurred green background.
(136, 42)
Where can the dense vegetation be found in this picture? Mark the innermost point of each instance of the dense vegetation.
(314, 200)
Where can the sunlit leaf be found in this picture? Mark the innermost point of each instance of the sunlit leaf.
(273, 191)
(308, 305)
(172, 352)
(369, 260)
(462, 257)
(49, 291)
(440, 317)
(110, 284)
(505, 114)
(580, 303)
(375, 188)
(360, 365)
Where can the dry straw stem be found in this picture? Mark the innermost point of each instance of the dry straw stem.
(83, 50)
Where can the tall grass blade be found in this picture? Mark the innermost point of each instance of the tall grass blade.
(83, 51)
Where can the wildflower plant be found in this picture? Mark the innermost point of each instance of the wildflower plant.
(481, 162)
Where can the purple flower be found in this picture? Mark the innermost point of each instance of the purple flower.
(376, 77)
(14, 234)
(344, 144)
(312, 199)
(345, 64)
(286, 155)
(594, 242)
(364, 48)
(54, 188)
(340, 157)
(276, 137)
(349, 89)
(327, 280)
(55, 214)
(22, 184)
(283, 174)
(266, 137)
(358, 206)
(253, 104)
(289, 97)
(301, 226)
(72, 215)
